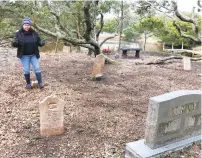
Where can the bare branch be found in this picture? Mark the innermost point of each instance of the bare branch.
(159, 10)
(107, 39)
(60, 24)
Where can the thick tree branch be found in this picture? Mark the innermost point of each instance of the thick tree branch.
(197, 40)
(189, 20)
(183, 17)
(61, 37)
(87, 46)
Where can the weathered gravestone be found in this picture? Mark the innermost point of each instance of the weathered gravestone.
(51, 116)
(98, 67)
(173, 121)
(187, 63)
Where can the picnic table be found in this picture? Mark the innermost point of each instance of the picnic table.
(124, 52)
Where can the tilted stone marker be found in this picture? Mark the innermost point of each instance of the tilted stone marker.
(173, 121)
(187, 63)
(51, 116)
(98, 67)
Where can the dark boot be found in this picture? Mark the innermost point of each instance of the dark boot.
(27, 78)
(39, 79)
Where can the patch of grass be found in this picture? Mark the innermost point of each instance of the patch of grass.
(37, 138)
(32, 140)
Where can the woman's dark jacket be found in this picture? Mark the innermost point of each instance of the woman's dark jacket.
(19, 42)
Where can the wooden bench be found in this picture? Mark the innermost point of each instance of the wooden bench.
(124, 52)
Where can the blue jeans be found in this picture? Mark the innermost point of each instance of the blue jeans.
(26, 60)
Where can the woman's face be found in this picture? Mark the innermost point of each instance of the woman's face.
(26, 27)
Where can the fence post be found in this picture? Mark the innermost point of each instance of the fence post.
(56, 45)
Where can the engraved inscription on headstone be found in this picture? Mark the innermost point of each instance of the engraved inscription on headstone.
(51, 116)
(178, 110)
(172, 126)
(190, 121)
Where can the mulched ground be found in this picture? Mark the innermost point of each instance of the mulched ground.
(100, 116)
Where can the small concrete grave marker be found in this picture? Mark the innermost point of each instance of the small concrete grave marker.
(51, 116)
(187, 63)
(173, 122)
(34, 84)
(98, 67)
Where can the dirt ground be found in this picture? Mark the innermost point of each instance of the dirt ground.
(100, 116)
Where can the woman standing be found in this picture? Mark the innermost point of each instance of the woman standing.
(27, 41)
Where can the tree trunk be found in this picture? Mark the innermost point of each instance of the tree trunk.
(121, 26)
(90, 52)
(145, 41)
(89, 28)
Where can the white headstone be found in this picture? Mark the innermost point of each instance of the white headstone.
(187, 63)
(51, 116)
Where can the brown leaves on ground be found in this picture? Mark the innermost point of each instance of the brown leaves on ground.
(100, 116)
